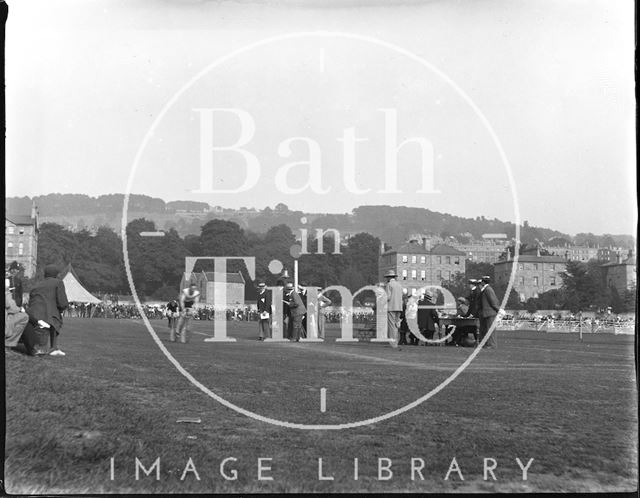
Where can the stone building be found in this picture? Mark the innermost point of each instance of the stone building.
(418, 266)
(621, 274)
(21, 240)
(535, 274)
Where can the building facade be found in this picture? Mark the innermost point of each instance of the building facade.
(534, 274)
(21, 240)
(621, 274)
(418, 266)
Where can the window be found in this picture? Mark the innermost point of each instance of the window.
(414, 259)
(457, 260)
(448, 260)
(446, 274)
(522, 299)
(423, 259)
(552, 281)
(404, 274)
(439, 276)
(9, 246)
(521, 280)
(553, 266)
(11, 230)
(21, 231)
(535, 281)
(439, 260)
(423, 275)
(405, 259)
(535, 266)
(20, 249)
(520, 266)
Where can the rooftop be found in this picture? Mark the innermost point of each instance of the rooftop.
(20, 219)
(527, 258)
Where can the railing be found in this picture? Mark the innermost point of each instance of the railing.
(568, 326)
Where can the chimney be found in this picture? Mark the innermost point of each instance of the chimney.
(618, 257)
(381, 247)
(34, 209)
(425, 243)
(538, 251)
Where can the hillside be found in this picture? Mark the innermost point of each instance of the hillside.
(390, 224)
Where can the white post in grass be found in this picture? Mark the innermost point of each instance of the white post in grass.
(295, 274)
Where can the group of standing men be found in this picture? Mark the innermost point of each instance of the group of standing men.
(482, 304)
(296, 311)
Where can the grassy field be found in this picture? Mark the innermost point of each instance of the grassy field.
(570, 406)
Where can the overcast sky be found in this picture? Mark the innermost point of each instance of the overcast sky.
(551, 82)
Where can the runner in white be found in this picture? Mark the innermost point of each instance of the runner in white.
(189, 299)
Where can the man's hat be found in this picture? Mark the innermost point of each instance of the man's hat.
(390, 273)
(289, 286)
(262, 285)
(486, 279)
(473, 281)
(463, 300)
(428, 295)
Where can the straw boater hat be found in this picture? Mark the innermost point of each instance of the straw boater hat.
(289, 286)
(390, 274)
(262, 285)
(486, 279)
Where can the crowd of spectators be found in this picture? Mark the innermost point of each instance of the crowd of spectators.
(332, 314)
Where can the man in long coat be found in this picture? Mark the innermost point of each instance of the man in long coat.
(47, 301)
(394, 305)
(490, 308)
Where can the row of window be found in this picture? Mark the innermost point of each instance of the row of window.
(20, 248)
(524, 266)
(404, 274)
(12, 230)
(536, 281)
(423, 259)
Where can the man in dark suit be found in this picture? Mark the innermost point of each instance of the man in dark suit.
(490, 308)
(297, 311)
(302, 292)
(264, 311)
(47, 301)
(475, 306)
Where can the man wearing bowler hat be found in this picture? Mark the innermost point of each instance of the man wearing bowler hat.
(490, 307)
(394, 305)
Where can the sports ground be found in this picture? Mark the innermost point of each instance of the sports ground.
(76, 424)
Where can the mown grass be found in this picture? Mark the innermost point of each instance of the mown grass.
(569, 405)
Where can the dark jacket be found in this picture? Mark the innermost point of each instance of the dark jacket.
(296, 305)
(264, 302)
(489, 302)
(427, 318)
(47, 301)
(475, 306)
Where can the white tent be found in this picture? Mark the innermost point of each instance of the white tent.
(75, 290)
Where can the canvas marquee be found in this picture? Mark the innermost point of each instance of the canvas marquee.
(75, 290)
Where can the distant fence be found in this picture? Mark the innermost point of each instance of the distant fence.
(568, 326)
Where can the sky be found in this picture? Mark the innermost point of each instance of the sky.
(510, 110)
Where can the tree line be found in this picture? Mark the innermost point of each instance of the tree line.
(157, 263)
